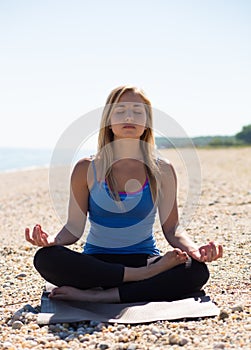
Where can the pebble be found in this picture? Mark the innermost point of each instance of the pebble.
(174, 339)
(17, 325)
(7, 345)
(219, 346)
(17, 316)
(29, 308)
(103, 346)
(223, 315)
(70, 337)
(237, 308)
(21, 275)
(155, 330)
(132, 346)
(183, 341)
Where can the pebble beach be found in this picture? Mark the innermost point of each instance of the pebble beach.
(222, 214)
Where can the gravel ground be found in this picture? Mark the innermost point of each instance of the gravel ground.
(222, 214)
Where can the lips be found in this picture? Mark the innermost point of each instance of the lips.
(128, 126)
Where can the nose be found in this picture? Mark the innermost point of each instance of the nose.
(129, 115)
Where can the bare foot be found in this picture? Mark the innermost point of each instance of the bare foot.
(71, 293)
(173, 258)
(168, 261)
(91, 295)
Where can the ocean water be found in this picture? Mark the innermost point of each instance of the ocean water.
(15, 159)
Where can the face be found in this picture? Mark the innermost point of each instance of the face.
(128, 119)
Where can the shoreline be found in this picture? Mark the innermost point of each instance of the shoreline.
(160, 150)
(29, 168)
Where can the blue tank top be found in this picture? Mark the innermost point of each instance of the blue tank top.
(124, 227)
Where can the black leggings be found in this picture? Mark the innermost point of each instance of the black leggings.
(64, 267)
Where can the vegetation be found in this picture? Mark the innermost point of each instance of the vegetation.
(241, 138)
(245, 134)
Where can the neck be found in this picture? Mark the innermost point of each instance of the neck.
(127, 148)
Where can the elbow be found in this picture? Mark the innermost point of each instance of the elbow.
(73, 232)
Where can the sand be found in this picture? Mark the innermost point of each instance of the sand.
(220, 213)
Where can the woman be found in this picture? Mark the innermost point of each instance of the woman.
(121, 190)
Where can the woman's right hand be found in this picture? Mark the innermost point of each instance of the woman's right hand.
(39, 237)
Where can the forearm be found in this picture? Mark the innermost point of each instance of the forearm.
(66, 236)
(180, 239)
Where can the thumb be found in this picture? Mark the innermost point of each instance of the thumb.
(195, 254)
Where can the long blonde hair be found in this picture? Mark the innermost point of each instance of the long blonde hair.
(105, 152)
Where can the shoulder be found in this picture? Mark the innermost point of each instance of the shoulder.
(82, 166)
(165, 165)
(167, 172)
(82, 170)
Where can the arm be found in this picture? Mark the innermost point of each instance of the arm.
(77, 212)
(168, 213)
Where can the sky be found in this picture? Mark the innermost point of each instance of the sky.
(59, 60)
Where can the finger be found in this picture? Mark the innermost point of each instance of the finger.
(214, 253)
(196, 254)
(27, 235)
(44, 233)
(208, 253)
(34, 233)
(44, 239)
(220, 251)
(211, 251)
(217, 251)
(37, 235)
(203, 254)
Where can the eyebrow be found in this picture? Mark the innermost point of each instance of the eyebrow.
(135, 105)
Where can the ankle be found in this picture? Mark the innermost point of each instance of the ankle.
(152, 270)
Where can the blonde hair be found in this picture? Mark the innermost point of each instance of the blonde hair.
(105, 152)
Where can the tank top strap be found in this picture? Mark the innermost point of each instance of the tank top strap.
(94, 170)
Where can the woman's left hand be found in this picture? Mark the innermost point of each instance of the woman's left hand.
(207, 253)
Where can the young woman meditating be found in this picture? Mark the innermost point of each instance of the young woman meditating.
(120, 191)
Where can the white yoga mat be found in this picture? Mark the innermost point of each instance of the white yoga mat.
(55, 311)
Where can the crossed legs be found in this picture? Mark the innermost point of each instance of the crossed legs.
(80, 276)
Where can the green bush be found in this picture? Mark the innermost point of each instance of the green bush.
(245, 134)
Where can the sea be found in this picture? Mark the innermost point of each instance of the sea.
(17, 159)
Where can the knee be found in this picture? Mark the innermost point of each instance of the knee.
(200, 270)
(43, 257)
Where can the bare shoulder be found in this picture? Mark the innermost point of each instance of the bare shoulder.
(82, 170)
(82, 165)
(165, 166)
(167, 173)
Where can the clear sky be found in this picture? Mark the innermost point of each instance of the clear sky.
(59, 59)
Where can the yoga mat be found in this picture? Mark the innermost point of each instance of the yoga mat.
(55, 311)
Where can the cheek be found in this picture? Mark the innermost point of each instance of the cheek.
(114, 128)
(142, 119)
(142, 122)
(115, 120)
